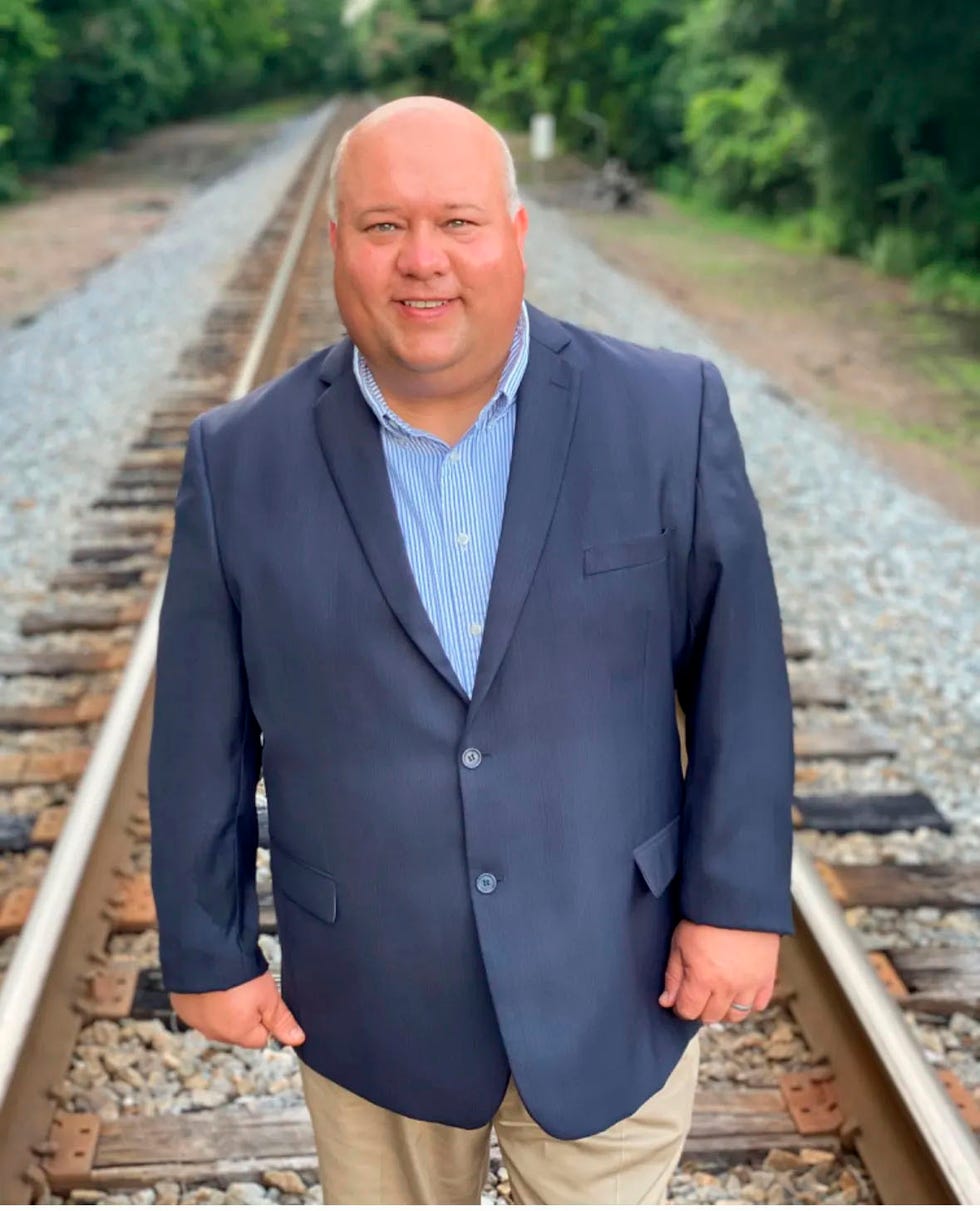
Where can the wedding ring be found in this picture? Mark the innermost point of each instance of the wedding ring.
(741, 1008)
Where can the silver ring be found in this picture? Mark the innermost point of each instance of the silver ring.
(741, 1008)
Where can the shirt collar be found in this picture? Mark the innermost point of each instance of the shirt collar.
(503, 397)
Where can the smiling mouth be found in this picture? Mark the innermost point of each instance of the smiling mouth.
(424, 304)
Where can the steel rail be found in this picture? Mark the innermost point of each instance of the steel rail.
(66, 926)
(917, 1147)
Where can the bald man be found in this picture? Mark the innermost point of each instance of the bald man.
(441, 583)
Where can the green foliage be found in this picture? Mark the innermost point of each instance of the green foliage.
(894, 87)
(81, 74)
(949, 286)
(393, 46)
(315, 51)
(26, 44)
(583, 61)
(121, 67)
(860, 116)
(900, 251)
(750, 146)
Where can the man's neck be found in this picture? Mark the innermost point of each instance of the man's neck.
(445, 414)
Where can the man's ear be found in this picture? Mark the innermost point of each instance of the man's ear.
(520, 221)
(333, 235)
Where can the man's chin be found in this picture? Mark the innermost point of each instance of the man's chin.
(427, 361)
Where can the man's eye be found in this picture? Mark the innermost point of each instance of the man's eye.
(458, 223)
(382, 227)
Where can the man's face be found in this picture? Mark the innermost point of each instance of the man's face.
(429, 268)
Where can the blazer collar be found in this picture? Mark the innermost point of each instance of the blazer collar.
(350, 438)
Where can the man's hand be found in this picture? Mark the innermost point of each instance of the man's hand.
(247, 1015)
(712, 970)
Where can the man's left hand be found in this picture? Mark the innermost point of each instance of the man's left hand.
(710, 971)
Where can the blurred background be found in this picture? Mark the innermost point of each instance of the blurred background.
(851, 123)
(803, 176)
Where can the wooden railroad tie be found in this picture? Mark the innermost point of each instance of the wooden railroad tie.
(83, 616)
(15, 908)
(62, 662)
(809, 687)
(70, 712)
(40, 769)
(233, 1144)
(932, 979)
(846, 742)
(903, 886)
(877, 813)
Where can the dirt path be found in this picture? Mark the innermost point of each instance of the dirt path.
(83, 216)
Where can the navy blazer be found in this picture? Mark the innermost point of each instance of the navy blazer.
(467, 888)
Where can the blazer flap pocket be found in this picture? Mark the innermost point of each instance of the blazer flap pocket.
(658, 857)
(625, 553)
(306, 886)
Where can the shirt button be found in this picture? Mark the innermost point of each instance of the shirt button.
(475, 628)
(486, 883)
(462, 540)
(454, 456)
(472, 757)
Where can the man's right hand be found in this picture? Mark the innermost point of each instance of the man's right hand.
(247, 1015)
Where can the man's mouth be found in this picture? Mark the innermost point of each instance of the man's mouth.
(424, 304)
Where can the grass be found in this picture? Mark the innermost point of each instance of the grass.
(788, 233)
(275, 110)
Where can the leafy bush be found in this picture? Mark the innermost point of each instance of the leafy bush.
(76, 75)
(900, 251)
(26, 44)
(750, 145)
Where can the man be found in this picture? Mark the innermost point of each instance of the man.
(452, 571)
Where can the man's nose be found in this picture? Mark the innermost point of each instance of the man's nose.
(421, 253)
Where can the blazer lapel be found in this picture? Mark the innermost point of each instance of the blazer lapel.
(350, 438)
(547, 403)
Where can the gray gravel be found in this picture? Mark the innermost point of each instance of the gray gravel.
(76, 385)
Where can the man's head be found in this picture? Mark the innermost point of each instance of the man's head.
(424, 210)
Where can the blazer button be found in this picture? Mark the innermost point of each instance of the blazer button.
(472, 757)
(486, 883)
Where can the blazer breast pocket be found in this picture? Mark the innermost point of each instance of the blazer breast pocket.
(626, 553)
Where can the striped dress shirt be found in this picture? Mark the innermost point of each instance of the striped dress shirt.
(450, 504)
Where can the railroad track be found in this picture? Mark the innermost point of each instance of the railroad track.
(74, 732)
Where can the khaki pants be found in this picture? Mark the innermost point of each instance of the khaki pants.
(371, 1155)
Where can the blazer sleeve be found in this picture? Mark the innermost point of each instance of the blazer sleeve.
(205, 756)
(734, 691)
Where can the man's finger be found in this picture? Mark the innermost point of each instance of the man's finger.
(741, 1005)
(762, 997)
(256, 1037)
(716, 1007)
(673, 978)
(691, 999)
(283, 1026)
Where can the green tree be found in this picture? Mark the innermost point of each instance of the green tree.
(750, 148)
(393, 45)
(315, 52)
(894, 90)
(586, 58)
(26, 44)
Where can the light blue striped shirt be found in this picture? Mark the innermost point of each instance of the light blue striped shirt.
(450, 504)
